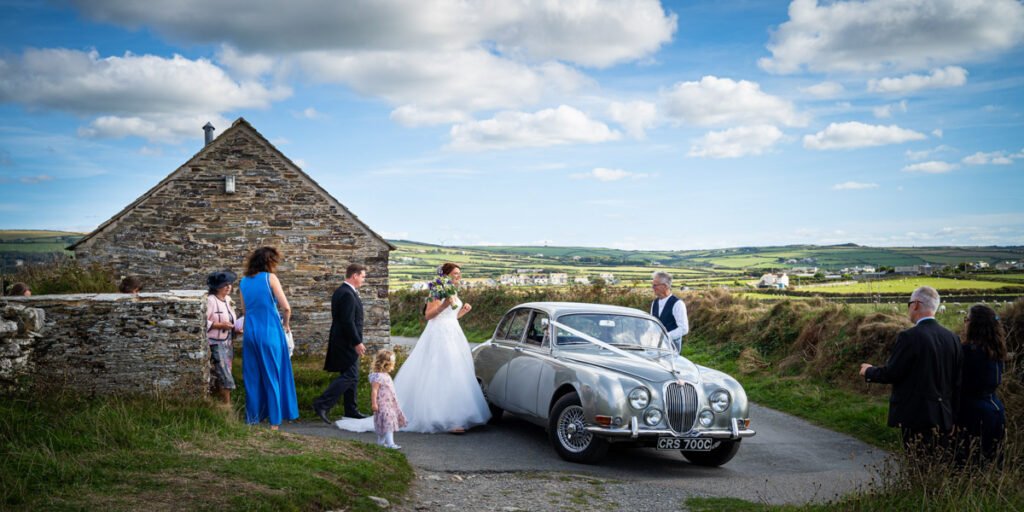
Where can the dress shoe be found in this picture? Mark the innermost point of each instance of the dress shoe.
(322, 413)
(355, 414)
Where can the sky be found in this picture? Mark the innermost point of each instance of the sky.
(628, 124)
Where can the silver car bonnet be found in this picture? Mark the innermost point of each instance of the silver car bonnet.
(653, 370)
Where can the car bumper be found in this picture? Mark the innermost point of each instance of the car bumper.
(634, 431)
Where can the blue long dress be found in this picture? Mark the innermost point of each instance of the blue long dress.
(266, 368)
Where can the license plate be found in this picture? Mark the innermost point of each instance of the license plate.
(687, 444)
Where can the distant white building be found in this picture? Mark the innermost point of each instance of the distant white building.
(581, 280)
(608, 277)
(418, 286)
(780, 281)
(540, 281)
(558, 279)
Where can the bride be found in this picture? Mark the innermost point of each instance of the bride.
(436, 387)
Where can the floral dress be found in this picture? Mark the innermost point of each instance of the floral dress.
(389, 417)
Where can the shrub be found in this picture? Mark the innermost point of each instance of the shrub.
(67, 276)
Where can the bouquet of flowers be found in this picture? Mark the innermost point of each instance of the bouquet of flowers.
(441, 288)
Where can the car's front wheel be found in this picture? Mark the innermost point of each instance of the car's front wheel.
(717, 456)
(568, 433)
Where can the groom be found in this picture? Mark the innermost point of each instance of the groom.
(344, 346)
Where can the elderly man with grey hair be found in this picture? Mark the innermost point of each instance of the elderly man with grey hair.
(924, 370)
(669, 309)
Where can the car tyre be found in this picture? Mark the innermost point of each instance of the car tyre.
(716, 457)
(567, 434)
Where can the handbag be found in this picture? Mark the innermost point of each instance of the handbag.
(291, 342)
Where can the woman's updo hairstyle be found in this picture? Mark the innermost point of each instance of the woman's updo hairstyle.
(447, 268)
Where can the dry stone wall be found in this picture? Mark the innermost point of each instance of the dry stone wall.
(189, 226)
(103, 344)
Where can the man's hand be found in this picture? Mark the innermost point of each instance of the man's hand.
(360, 349)
(864, 368)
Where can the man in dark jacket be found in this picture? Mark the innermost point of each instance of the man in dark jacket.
(924, 370)
(344, 346)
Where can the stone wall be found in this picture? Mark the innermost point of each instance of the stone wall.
(101, 344)
(187, 227)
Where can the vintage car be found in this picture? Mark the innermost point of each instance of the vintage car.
(595, 374)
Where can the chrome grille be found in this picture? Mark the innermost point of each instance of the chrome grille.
(681, 406)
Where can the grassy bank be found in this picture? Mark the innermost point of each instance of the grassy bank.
(68, 453)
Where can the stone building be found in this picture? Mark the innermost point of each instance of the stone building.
(236, 194)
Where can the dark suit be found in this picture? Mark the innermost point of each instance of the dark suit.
(924, 370)
(346, 334)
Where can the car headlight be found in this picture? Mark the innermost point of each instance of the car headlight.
(719, 401)
(706, 418)
(652, 417)
(639, 398)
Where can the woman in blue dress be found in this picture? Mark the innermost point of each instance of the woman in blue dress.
(266, 367)
(981, 421)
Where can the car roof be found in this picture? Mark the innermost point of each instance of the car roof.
(561, 308)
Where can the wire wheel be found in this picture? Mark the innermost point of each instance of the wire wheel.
(572, 433)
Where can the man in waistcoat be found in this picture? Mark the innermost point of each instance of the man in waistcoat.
(669, 309)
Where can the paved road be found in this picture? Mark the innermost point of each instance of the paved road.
(788, 461)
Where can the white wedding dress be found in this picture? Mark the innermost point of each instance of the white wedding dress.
(436, 387)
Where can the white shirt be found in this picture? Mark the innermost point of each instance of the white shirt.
(350, 286)
(679, 313)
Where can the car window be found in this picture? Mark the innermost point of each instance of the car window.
(538, 331)
(517, 326)
(614, 329)
(506, 322)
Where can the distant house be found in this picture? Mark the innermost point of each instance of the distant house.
(833, 277)
(558, 278)
(908, 270)
(581, 280)
(540, 281)
(608, 277)
(867, 276)
(780, 281)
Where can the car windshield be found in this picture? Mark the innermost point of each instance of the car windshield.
(620, 330)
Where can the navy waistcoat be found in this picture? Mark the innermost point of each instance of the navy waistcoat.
(665, 315)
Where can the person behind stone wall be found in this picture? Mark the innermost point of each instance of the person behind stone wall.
(220, 329)
(20, 290)
(130, 284)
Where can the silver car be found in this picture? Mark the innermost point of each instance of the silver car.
(594, 375)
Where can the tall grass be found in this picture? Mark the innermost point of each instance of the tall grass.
(66, 275)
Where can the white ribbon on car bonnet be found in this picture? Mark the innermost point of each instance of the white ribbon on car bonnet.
(612, 348)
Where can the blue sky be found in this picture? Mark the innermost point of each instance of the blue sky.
(632, 124)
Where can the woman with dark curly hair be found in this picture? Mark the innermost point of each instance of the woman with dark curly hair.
(266, 367)
(981, 421)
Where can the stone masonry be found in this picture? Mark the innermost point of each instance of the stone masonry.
(104, 344)
(188, 226)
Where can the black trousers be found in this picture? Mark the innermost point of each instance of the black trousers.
(343, 385)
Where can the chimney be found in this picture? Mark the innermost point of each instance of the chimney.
(209, 132)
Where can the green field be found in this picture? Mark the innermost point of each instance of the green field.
(905, 286)
(36, 241)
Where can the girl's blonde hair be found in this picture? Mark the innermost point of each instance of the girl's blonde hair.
(384, 361)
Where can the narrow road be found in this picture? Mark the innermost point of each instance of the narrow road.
(788, 461)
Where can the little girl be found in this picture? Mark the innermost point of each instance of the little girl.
(387, 417)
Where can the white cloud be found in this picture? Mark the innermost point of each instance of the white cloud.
(635, 116)
(441, 87)
(993, 158)
(937, 132)
(144, 95)
(824, 90)
(713, 101)
(885, 111)
(587, 33)
(925, 153)
(245, 65)
(603, 174)
(931, 167)
(736, 142)
(854, 185)
(950, 76)
(309, 113)
(874, 35)
(548, 127)
(859, 135)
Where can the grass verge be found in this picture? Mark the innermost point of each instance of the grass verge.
(72, 453)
